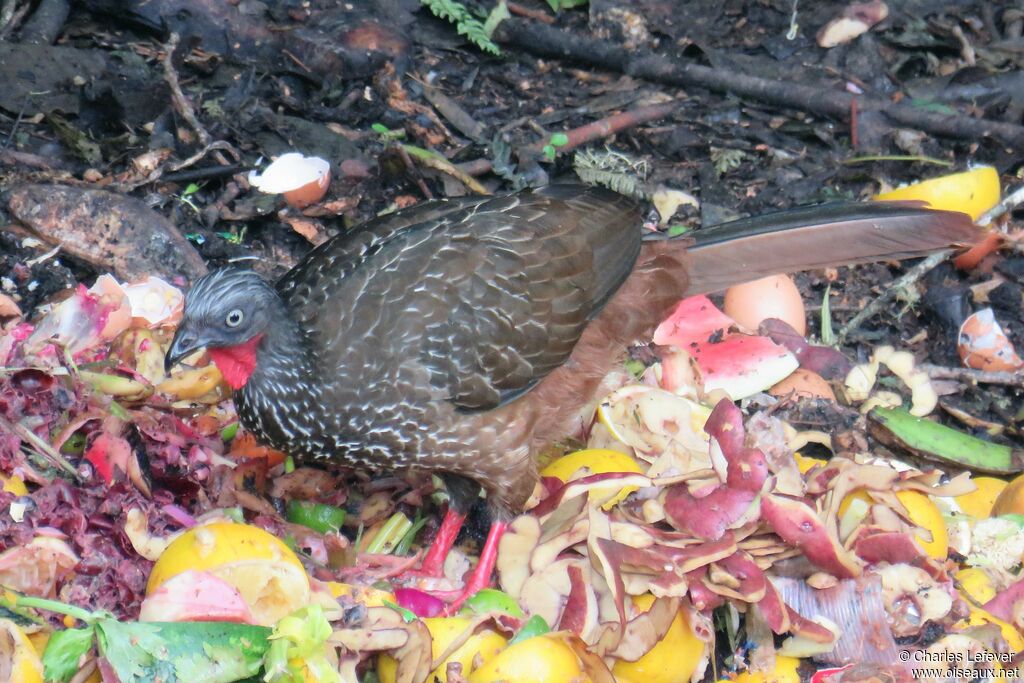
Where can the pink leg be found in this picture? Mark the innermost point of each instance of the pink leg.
(433, 562)
(481, 576)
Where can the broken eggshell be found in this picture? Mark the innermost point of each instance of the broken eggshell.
(302, 180)
(775, 296)
(983, 345)
(155, 302)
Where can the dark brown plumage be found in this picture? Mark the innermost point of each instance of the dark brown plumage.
(459, 336)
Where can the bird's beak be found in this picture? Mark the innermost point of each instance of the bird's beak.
(185, 342)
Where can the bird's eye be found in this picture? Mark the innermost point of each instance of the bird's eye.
(234, 318)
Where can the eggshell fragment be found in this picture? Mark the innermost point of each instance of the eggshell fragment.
(155, 301)
(804, 384)
(111, 293)
(775, 296)
(984, 346)
(302, 180)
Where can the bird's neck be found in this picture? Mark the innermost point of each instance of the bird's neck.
(263, 357)
(237, 363)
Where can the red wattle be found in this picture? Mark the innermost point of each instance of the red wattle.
(236, 363)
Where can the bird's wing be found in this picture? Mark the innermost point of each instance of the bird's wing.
(485, 300)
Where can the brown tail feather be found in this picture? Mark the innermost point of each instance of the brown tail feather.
(820, 236)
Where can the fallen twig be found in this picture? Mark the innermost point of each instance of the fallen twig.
(439, 163)
(610, 125)
(595, 130)
(407, 160)
(539, 15)
(46, 22)
(911, 277)
(456, 115)
(157, 174)
(178, 98)
(972, 376)
(11, 15)
(10, 157)
(546, 41)
(45, 449)
(898, 157)
(894, 289)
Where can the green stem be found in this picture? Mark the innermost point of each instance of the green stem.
(403, 545)
(389, 534)
(897, 157)
(54, 606)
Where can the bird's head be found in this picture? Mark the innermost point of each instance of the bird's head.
(228, 312)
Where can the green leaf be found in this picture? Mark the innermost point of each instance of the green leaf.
(559, 139)
(380, 129)
(558, 5)
(497, 15)
(465, 23)
(300, 637)
(895, 427)
(64, 650)
(186, 652)
(828, 335)
(677, 229)
(549, 152)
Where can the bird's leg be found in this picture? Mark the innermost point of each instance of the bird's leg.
(481, 576)
(433, 562)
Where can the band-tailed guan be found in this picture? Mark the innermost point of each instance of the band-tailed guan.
(459, 336)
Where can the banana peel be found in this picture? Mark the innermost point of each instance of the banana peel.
(896, 427)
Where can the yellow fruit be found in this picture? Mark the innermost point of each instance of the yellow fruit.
(14, 485)
(978, 504)
(784, 672)
(977, 584)
(672, 660)
(979, 617)
(18, 659)
(922, 512)
(804, 464)
(541, 659)
(973, 192)
(1011, 499)
(371, 597)
(597, 461)
(444, 630)
(257, 564)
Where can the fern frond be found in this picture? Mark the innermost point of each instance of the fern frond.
(465, 23)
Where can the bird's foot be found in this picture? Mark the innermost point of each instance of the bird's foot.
(481, 576)
(433, 562)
